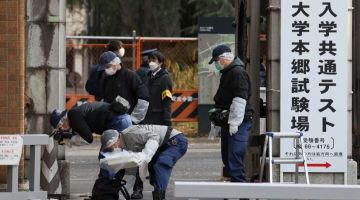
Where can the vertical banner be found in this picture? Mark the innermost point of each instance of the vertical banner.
(213, 31)
(314, 74)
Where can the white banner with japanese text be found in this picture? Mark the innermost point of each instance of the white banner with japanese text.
(314, 76)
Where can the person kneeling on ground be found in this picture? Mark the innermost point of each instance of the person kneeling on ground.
(79, 123)
(158, 147)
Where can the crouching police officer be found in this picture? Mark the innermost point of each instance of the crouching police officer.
(159, 147)
(89, 118)
(233, 96)
(110, 182)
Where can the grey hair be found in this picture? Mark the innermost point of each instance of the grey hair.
(227, 56)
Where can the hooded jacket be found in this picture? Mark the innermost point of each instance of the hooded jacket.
(234, 82)
(144, 138)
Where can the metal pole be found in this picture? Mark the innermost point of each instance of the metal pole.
(297, 157)
(356, 82)
(134, 50)
(131, 38)
(270, 159)
(273, 68)
(273, 73)
(253, 69)
(240, 34)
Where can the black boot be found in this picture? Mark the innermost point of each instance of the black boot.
(138, 188)
(163, 193)
(158, 195)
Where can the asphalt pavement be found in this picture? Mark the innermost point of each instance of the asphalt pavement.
(202, 162)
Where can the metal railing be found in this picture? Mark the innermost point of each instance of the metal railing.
(265, 191)
(35, 141)
(180, 57)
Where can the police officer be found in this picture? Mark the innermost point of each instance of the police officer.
(233, 95)
(121, 81)
(110, 182)
(80, 122)
(158, 146)
(159, 85)
(160, 88)
(144, 69)
(94, 84)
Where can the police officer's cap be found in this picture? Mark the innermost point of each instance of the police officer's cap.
(158, 55)
(148, 52)
(56, 116)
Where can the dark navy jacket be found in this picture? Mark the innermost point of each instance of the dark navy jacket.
(160, 89)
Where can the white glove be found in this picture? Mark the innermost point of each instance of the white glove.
(139, 112)
(143, 168)
(141, 157)
(236, 115)
(233, 129)
(77, 140)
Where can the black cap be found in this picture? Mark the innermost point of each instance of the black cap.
(105, 59)
(147, 52)
(218, 51)
(158, 55)
(56, 116)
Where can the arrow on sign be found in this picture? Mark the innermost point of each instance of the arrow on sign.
(326, 165)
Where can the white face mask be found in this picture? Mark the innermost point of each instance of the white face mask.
(153, 66)
(218, 66)
(110, 71)
(117, 150)
(121, 52)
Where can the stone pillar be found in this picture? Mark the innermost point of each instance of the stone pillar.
(45, 60)
(12, 72)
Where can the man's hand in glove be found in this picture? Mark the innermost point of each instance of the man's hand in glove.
(233, 129)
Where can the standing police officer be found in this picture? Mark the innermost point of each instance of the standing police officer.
(159, 85)
(233, 95)
(121, 81)
(160, 89)
(144, 69)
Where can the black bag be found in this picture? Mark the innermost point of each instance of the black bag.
(106, 189)
(219, 117)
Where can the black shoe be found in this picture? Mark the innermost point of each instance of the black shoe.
(137, 194)
(157, 195)
(138, 188)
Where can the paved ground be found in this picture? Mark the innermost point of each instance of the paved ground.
(202, 162)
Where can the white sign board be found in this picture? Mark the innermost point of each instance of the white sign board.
(10, 149)
(314, 76)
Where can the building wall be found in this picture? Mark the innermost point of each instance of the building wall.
(12, 71)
